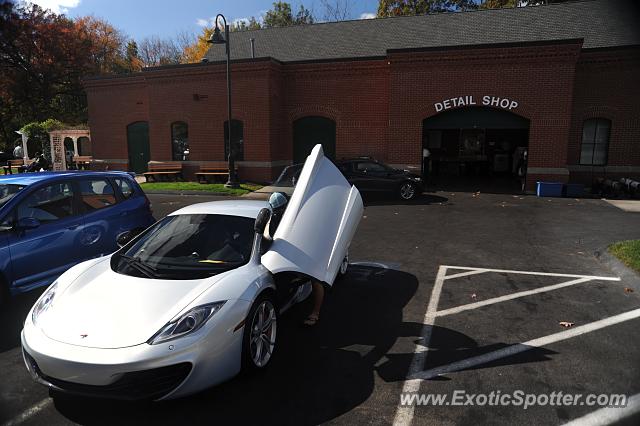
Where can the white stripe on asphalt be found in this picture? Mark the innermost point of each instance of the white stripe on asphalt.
(463, 274)
(546, 274)
(512, 296)
(609, 415)
(522, 347)
(29, 412)
(404, 413)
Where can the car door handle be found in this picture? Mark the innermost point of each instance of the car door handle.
(73, 227)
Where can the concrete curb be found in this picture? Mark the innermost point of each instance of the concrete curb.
(176, 192)
(629, 277)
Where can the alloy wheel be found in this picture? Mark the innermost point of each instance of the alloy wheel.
(407, 191)
(263, 333)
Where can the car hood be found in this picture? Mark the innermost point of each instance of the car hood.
(104, 309)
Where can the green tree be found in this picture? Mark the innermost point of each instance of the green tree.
(281, 15)
(43, 57)
(245, 25)
(419, 7)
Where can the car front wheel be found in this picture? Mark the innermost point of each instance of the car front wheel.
(408, 191)
(260, 330)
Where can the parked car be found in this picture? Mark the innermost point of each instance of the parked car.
(51, 221)
(192, 300)
(368, 175)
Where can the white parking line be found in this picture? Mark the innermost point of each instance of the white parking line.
(512, 296)
(531, 344)
(29, 412)
(609, 415)
(404, 413)
(545, 274)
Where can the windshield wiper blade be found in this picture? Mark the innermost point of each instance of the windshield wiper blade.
(135, 262)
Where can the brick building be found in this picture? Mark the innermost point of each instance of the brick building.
(475, 88)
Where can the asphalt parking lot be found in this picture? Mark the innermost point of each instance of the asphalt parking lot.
(456, 291)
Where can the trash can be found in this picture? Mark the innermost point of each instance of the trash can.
(549, 189)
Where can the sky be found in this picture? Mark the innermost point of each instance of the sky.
(143, 18)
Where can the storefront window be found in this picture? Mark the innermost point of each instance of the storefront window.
(595, 142)
(180, 141)
(237, 129)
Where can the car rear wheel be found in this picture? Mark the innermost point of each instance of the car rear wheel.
(4, 293)
(344, 266)
(260, 334)
(408, 191)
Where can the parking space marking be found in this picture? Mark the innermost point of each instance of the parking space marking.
(528, 345)
(512, 296)
(464, 274)
(609, 415)
(29, 412)
(545, 274)
(405, 413)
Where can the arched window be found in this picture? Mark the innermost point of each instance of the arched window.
(179, 141)
(237, 130)
(595, 141)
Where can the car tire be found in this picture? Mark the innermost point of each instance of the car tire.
(256, 355)
(4, 293)
(408, 191)
(344, 266)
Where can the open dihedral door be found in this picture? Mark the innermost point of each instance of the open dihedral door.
(320, 220)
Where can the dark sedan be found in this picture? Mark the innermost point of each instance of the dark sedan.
(368, 175)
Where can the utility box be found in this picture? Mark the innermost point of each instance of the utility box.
(549, 189)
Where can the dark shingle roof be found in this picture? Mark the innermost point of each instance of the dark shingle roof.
(601, 23)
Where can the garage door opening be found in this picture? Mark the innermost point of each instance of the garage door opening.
(476, 149)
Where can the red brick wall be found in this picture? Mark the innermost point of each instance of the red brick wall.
(607, 86)
(378, 104)
(540, 78)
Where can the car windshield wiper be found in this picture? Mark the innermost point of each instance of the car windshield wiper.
(136, 263)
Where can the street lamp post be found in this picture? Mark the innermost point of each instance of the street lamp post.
(218, 38)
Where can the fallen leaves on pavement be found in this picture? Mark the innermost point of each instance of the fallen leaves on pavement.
(566, 324)
(628, 290)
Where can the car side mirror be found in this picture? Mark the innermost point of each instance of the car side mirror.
(26, 223)
(123, 238)
(261, 221)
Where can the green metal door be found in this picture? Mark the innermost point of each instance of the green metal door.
(138, 143)
(309, 131)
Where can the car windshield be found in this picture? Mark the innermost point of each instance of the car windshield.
(190, 246)
(289, 176)
(7, 192)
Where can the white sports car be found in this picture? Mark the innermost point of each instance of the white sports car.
(192, 300)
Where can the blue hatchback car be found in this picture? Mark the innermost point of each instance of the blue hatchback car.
(51, 221)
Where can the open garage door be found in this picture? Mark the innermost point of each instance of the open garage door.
(310, 131)
(476, 149)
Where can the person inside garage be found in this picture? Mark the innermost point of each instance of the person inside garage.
(278, 203)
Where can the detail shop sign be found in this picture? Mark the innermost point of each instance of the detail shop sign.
(486, 100)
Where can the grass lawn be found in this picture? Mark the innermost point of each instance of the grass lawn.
(195, 186)
(628, 252)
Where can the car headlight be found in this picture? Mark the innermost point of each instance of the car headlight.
(45, 302)
(186, 323)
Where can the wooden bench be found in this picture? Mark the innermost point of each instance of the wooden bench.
(159, 171)
(82, 162)
(213, 173)
(14, 164)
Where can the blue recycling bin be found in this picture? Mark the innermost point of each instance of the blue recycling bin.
(549, 189)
